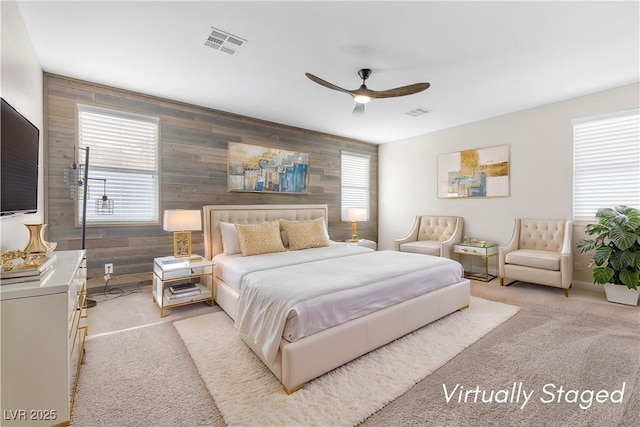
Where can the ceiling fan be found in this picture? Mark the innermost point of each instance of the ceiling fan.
(362, 95)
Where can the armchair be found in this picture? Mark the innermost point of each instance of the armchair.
(432, 235)
(539, 252)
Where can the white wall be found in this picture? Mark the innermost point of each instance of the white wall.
(21, 86)
(541, 163)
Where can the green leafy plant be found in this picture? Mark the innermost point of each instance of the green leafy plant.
(616, 245)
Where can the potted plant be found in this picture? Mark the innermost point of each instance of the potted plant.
(617, 252)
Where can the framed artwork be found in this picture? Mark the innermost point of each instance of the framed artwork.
(482, 172)
(254, 168)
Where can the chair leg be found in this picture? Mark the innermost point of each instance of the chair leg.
(502, 281)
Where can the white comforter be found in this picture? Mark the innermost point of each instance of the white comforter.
(378, 279)
(233, 268)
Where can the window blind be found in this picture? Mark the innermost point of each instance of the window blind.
(124, 152)
(354, 173)
(606, 163)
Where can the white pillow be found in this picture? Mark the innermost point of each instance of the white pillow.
(230, 241)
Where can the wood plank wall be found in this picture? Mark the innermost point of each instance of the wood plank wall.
(193, 166)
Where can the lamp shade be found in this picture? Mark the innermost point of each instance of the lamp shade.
(357, 214)
(182, 220)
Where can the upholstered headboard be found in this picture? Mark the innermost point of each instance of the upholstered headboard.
(251, 214)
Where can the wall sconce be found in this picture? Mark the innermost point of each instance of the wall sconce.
(182, 222)
(355, 215)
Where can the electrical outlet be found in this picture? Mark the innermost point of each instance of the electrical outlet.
(108, 268)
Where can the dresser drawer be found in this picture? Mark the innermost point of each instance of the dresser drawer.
(475, 250)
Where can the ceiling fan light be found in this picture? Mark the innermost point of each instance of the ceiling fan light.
(361, 99)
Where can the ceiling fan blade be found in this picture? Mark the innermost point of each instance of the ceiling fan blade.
(362, 95)
(399, 91)
(326, 83)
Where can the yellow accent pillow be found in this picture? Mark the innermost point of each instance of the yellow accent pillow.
(258, 239)
(306, 234)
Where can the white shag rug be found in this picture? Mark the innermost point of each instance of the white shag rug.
(248, 394)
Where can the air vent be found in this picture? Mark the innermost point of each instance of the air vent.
(417, 112)
(223, 41)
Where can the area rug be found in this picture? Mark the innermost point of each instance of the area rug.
(247, 393)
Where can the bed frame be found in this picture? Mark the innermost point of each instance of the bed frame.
(301, 361)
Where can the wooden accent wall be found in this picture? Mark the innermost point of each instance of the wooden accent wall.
(193, 173)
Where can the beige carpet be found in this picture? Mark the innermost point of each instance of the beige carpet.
(246, 393)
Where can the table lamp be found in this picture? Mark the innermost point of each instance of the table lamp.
(355, 215)
(182, 222)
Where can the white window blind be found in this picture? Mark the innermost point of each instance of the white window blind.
(354, 172)
(124, 152)
(606, 163)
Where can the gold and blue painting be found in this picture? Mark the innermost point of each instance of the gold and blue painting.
(482, 172)
(254, 168)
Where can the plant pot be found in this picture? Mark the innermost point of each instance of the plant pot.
(621, 294)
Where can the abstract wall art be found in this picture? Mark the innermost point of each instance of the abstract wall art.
(254, 168)
(482, 172)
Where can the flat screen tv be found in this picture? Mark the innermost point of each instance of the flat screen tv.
(19, 141)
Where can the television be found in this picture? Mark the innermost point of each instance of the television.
(19, 143)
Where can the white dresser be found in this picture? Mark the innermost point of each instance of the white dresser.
(43, 324)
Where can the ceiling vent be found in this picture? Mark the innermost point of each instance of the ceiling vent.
(224, 41)
(417, 112)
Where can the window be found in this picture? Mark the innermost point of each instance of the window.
(354, 172)
(123, 162)
(606, 163)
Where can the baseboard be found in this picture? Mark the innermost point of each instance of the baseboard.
(97, 290)
(580, 284)
(589, 286)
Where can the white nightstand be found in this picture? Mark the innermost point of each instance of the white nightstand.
(366, 243)
(169, 270)
(479, 248)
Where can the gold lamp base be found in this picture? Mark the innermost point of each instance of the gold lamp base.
(354, 232)
(181, 244)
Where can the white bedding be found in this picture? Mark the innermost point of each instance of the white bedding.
(346, 287)
(232, 268)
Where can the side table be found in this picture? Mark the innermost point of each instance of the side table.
(479, 248)
(364, 242)
(170, 270)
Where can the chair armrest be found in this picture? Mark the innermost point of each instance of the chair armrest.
(411, 237)
(446, 250)
(510, 247)
(566, 256)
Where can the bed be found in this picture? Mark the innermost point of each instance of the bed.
(297, 346)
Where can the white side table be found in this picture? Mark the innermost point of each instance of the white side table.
(170, 270)
(366, 243)
(478, 248)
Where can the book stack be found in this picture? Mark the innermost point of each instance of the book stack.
(182, 290)
(28, 271)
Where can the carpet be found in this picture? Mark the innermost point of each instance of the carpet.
(247, 393)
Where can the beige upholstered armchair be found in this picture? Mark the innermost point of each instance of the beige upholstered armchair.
(432, 235)
(540, 252)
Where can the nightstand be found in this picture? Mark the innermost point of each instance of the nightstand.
(481, 249)
(364, 242)
(169, 271)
